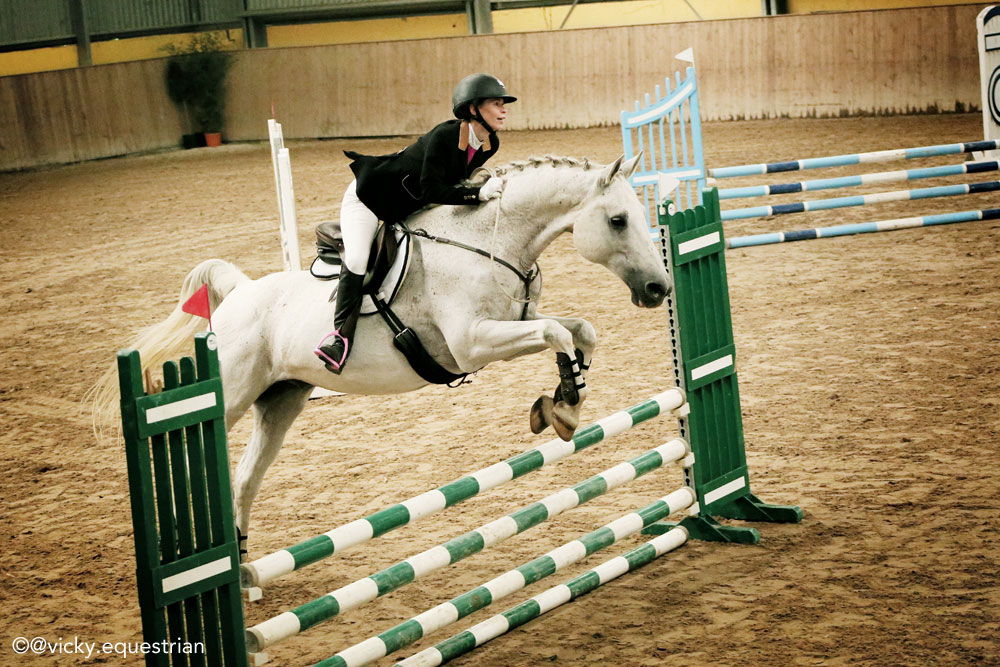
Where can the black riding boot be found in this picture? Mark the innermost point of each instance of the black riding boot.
(334, 349)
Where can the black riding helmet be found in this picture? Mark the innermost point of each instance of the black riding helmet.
(474, 88)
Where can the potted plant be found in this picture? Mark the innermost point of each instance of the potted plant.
(196, 81)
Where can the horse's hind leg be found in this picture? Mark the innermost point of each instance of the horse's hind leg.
(273, 414)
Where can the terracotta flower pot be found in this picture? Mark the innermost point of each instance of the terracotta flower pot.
(213, 138)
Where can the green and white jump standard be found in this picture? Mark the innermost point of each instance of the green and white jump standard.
(187, 561)
(704, 351)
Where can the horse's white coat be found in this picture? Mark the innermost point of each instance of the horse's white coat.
(267, 328)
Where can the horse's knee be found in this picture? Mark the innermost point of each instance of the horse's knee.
(586, 337)
(558, 337)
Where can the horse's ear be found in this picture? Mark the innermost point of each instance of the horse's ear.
(629, 167)
(611, 170)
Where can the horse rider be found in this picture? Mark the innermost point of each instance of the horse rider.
(391, 187)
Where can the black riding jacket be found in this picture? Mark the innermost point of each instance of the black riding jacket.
(429, 171)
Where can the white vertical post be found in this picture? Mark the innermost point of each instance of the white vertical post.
(277, 143)
(988, 27)
(286, 202)
(287, 224)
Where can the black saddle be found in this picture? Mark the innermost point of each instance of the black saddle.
(385, 248)
(330, 248)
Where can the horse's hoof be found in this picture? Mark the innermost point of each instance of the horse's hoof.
(540, 412)
(565, 419)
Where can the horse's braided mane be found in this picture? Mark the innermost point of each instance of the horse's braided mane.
(484, 173)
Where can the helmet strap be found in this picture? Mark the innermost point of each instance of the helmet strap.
(479, 119)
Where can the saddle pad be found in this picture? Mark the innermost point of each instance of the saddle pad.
(327, 270)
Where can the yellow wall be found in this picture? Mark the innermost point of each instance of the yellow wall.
(102, 53)
(632, 12)
(371, 30)
(37, 60)
(145, 48)
(807, 6)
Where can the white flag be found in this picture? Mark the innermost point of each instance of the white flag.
(668, 184)
(687, 55)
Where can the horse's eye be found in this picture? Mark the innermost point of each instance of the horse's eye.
(619, 222)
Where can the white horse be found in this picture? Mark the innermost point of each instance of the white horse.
(462, 305)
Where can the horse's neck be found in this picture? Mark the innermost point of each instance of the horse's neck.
(535, 209)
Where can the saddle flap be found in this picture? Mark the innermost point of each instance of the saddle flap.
(381, 257)
(388, 260)
(329, 240)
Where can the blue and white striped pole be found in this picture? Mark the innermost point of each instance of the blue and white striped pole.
(861, 200)
(855, 181)
(855, 158)
(863, 228)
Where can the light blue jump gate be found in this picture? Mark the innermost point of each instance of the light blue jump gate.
(667, 131)
(674, 117)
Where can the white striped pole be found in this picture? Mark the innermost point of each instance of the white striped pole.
(859, 180)
(287, 224)
(543, 603)
(303, 617)
(861, 200)
(855, 158)
(270, 567)
(510, 582)
(863, 228)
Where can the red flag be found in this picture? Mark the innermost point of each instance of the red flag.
(198, 305)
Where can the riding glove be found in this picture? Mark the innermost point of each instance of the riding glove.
(491, 189)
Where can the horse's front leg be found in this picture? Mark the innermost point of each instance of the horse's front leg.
(572, 389)
(486, 341)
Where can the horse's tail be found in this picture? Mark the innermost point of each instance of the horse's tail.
(166, 340)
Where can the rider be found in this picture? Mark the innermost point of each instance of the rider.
(391, 187)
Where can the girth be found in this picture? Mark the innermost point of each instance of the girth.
(406, 340)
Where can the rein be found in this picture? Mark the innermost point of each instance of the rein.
(526, 278)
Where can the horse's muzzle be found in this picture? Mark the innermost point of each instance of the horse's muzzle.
(652, 294)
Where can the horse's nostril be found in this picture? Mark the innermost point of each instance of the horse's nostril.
(657, 290)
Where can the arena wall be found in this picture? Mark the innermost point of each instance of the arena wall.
(831, 64)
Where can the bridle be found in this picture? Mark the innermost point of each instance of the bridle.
(526, 278)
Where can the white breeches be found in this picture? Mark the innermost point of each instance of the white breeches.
(358, 226)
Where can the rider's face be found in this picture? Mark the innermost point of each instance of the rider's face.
(494, 112)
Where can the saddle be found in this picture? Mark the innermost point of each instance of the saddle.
(388, 262)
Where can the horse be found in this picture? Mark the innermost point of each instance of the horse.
(465, 306)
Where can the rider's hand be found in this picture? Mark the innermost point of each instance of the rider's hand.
(491, 189)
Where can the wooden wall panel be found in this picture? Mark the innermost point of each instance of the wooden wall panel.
(849, 63)
(85, 113)
(878, 62)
